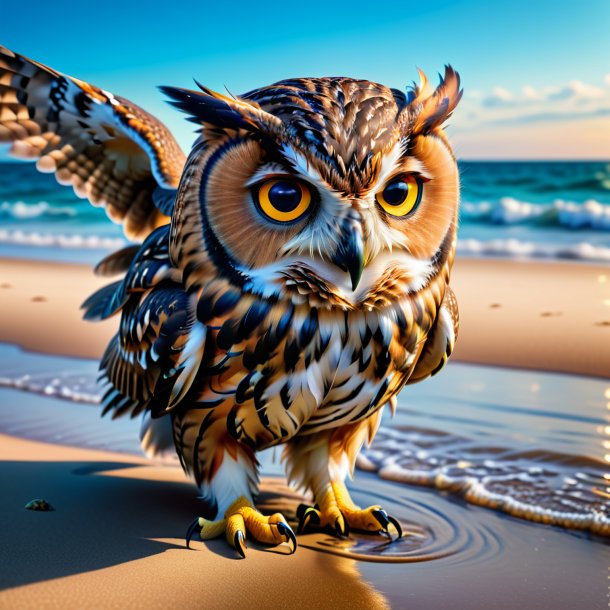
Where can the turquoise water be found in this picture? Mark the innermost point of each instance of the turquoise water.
(513, 209)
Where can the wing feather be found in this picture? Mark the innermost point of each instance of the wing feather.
(440, 341)
(109, 150)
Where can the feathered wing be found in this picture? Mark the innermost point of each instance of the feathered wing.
(111, 151)
(440, 341)
(143, 360)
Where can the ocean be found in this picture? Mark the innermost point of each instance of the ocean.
(518, 209)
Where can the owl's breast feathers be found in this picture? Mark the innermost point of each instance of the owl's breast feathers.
(275, 368)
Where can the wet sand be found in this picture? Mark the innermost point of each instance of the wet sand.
(534, 315)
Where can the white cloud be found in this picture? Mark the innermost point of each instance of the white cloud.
(529, 93)
(577, 90)
(573, 100)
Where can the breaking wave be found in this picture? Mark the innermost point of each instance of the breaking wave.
(26, 211)
(591, 214)
(35, 239)
(514, 248)
(536, 485)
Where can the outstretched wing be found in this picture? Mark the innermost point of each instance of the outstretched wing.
(111, 151)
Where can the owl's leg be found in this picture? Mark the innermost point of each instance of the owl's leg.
(321, 462)
(226, 471)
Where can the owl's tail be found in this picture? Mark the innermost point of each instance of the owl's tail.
(156, 435)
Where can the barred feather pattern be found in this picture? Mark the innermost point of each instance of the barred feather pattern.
(236, 333)
(239, 366)
(108, 149)
(277, 372)
(262, 373)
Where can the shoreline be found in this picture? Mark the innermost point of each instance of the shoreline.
(115, 539)
(534, 315)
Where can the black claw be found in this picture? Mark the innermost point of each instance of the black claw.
(382, 518)
(285, 530)
(341, 533)
(308, 516)
(303, 523)
(301, 510)
(395, 523)
(190, 531)
(240, 543)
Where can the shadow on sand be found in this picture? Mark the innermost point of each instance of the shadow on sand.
(98, 521)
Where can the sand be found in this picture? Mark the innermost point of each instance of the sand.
(114, 541)
(110, 544)
(535, 315)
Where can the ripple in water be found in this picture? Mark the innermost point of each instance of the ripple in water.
(428, 535)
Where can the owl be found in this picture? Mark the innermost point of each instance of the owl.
(291, 274)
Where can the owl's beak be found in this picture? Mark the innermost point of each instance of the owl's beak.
(350, 253)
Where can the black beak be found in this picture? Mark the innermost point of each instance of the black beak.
(350, 253)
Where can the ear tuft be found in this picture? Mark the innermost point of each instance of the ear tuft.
(208, 107)
(435, 107)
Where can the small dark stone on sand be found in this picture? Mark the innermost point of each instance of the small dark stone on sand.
(495, 306)
(38, 299)
(38, 504)
(603, 323)
(5, 285)
(551, 314)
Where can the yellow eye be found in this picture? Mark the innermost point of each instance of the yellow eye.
(283, 200)
(401, 195)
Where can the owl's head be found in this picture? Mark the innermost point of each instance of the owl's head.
(335, 191)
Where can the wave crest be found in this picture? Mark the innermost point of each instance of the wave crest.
(591, 214)
(21, 238)
(514, 248)
(27, 211)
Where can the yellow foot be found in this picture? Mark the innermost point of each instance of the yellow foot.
(337, 510)
(242, 517)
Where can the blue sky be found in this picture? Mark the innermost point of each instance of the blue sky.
(536, 74)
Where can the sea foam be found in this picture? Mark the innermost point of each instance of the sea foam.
(514, 248)
(35, 239)
(26, 211)
(591, 214)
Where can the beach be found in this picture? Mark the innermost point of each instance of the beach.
(115, 536)
(496, 470)
(551, 316)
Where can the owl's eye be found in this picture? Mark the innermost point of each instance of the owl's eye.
(283, 200)
(401, 195)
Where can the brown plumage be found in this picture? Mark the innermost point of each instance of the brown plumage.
(301, 284)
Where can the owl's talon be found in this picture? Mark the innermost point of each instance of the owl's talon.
(341, 514)
(242, 519)
(308, 516)
(239, 542)
(397, 525)
(342, 532)
(285, 530)
(385, 520)
(382, 518)
(191, 530)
